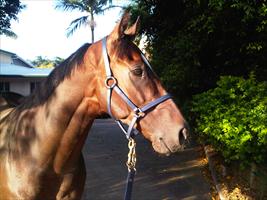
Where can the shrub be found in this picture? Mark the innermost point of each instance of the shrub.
(233, 117)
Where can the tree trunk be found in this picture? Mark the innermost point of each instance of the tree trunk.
(92, 27)
(252, 178)
(92, 33)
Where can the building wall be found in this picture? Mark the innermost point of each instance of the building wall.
(4, 58)
(18, 84)
(21, 87)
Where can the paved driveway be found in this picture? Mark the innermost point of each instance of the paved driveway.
(158, 178)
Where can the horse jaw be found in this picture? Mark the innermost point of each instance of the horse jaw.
(165, 128)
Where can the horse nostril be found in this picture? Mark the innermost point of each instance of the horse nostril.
(182, 136)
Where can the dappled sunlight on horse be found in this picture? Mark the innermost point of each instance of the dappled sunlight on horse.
(42, 138)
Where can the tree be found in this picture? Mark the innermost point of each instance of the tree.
(193, 43)
(43, 62)
(8, 11)
(91, 7)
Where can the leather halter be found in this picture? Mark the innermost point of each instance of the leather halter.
(111, 84)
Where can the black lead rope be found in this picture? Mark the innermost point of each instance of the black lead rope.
(131, 169)
(129, 184)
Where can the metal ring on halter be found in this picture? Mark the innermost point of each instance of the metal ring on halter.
(114, 82)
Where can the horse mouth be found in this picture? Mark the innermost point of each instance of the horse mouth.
(169, 151)
(163, 148)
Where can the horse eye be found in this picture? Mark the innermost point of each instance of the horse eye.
(138, 72)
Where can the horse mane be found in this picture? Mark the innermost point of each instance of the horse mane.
(46, 88)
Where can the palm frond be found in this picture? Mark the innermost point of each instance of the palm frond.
(101, 10)
(70, 5)
(8, 33)
(104, 2)
(75, 24)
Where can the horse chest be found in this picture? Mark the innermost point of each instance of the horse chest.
(29, 183)
(22, 180)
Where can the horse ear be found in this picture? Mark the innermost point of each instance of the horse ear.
(131, 31)
(121, 29)
(118, 31)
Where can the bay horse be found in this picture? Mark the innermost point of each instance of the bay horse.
(41, 139)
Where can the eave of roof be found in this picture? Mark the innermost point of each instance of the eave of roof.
(7, 52)
(10, 70)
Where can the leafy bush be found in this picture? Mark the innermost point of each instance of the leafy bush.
(233, 118)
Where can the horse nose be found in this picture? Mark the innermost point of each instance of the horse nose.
(183, 135)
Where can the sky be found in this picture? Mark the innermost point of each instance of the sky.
(41, 30)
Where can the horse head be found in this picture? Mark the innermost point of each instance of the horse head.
(163, 123)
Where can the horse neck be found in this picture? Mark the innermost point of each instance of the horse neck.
(52, 134)
(71, 114)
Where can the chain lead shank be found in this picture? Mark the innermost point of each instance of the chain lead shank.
(131, 162)
(131, 155)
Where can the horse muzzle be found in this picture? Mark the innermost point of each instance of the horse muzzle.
(166, 145)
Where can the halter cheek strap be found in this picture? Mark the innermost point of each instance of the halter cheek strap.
(111, 84)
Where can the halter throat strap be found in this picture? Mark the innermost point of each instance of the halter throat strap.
(112, 85)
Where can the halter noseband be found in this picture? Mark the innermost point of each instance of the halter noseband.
(111, 84)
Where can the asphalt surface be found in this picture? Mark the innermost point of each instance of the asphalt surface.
(176, 177)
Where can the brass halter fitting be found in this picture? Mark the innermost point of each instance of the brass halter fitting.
(139, 113)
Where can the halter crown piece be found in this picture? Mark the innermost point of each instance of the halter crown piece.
(111, 84)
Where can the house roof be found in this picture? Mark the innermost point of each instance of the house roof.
(10, 70)
(20, 68)
(7, 52)
(15, 58)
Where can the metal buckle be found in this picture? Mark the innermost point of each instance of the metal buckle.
(113, 81)
(139, 113)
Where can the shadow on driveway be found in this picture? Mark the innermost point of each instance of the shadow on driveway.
(158, 178)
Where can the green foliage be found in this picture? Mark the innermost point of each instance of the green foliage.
(176, 64)
(193, 43)
(42, 62)
(8, 11)
(233, 117)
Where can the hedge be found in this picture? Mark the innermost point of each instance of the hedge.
(233, 117)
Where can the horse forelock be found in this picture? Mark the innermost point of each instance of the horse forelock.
(124, 48)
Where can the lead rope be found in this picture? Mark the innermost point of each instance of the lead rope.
(131, 168)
